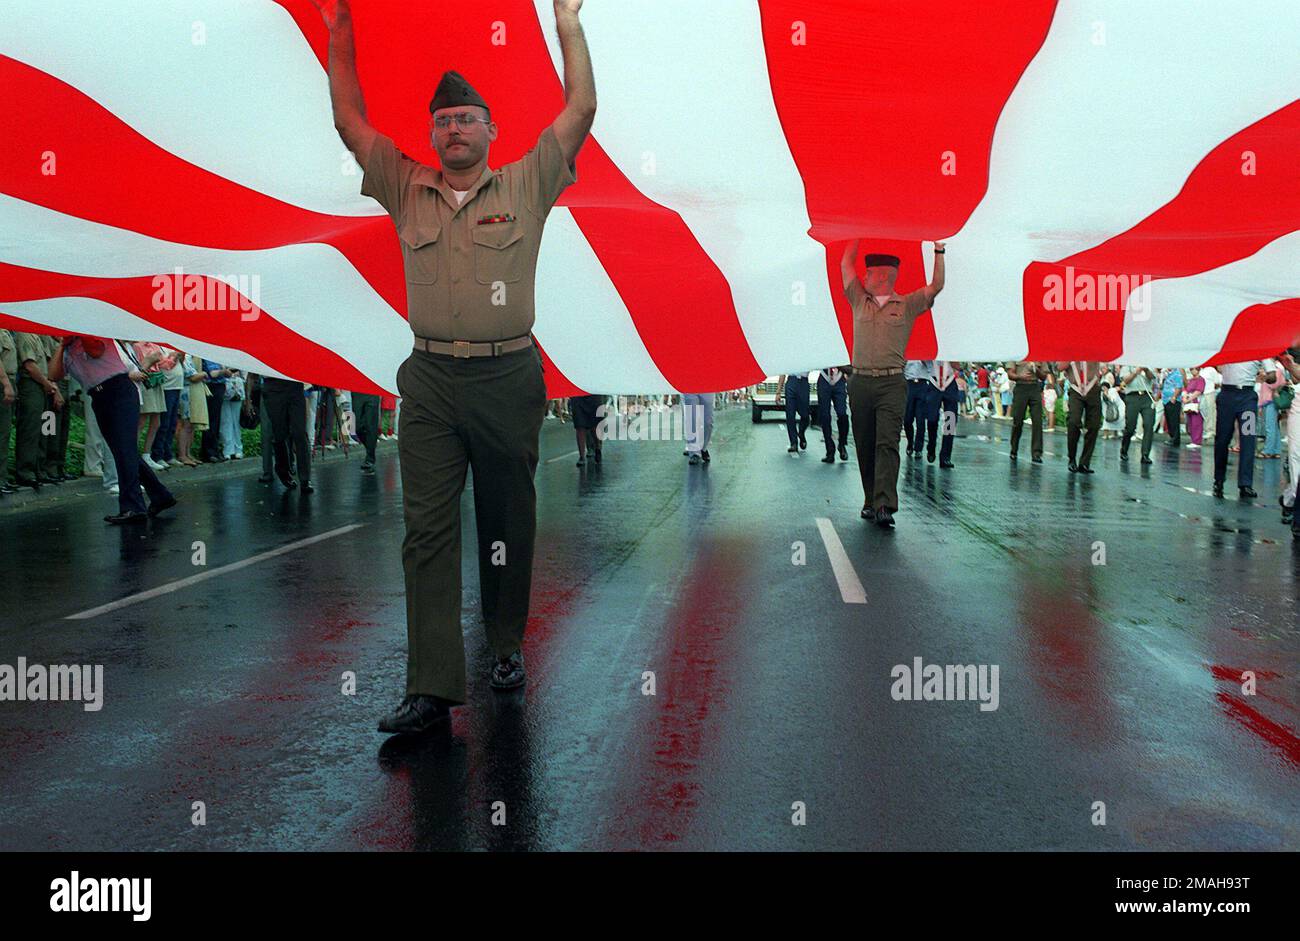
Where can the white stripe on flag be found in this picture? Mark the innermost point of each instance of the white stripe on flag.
(230, 87)
(686, 112)
(1182, 316)
(582, 321)
(1097, 135)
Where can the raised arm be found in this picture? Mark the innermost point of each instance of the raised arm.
(345, 89)
(574, 122)
(936, 285)
(848, 268)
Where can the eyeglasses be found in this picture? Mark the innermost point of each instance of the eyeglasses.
(463, 121)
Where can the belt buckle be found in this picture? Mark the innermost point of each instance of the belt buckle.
(460, 349)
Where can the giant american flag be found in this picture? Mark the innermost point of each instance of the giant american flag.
(1116, 179)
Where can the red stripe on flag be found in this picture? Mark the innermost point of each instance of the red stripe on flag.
(887, 152)
(261, 336)
(882, 92)
(1259, 332)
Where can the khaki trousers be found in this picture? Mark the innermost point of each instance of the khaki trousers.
(876, 405)
(483, 413)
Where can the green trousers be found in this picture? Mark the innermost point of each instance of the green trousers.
(876, 405)
(1027, 396)
(483, 413)
(29, 443)
(6, 426)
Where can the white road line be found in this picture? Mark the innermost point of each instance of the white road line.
(851, 589)
(213, 573)
(561, 457)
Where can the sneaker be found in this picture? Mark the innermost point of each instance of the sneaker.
(114, 490)
(508, 673)
(175, 463)
(694, 459)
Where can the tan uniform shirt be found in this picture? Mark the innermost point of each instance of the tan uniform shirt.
(880, 333)
(470, 267)
(1025, 368)
(32, 346)
(8, 353)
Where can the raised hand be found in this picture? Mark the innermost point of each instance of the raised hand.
(333, 11)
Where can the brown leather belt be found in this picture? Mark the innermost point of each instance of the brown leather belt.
(466, 349)
(876, 373)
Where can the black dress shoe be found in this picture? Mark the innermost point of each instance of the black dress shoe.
(48, 480)
(308, 488)
(157, 506)
(1147, 460)
(1123, 457)
(1247, 493)
(793, 449)
(1074, 468)
(34, 484)
(829, 458)
(288, 482)
(844, 453)
(581, 462)
(131, 516)
(945, 464)
(929, 456)
(1218, 490)
(704, 456)
(869, 513)
(693, 460)
(595, 455)
(803, 442)
(884, 518)
(508, 672)
(1013, 457)
(415, 714)
(1085, 469)
(1037, 460)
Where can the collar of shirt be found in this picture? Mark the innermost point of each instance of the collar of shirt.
(428, 176)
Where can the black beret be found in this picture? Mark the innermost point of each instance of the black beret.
(877, 260)
(454, 92)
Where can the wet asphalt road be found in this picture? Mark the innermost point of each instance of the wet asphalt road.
(1117, 683)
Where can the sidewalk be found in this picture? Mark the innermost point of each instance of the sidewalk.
(82, 487)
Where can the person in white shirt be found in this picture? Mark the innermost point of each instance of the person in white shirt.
(1212, 379)
(1238, 406)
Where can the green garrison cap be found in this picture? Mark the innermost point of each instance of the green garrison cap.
(453, 92)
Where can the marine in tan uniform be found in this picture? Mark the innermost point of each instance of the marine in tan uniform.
(8, 400)
(473, 393)
(882, 324)
(36, 393)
